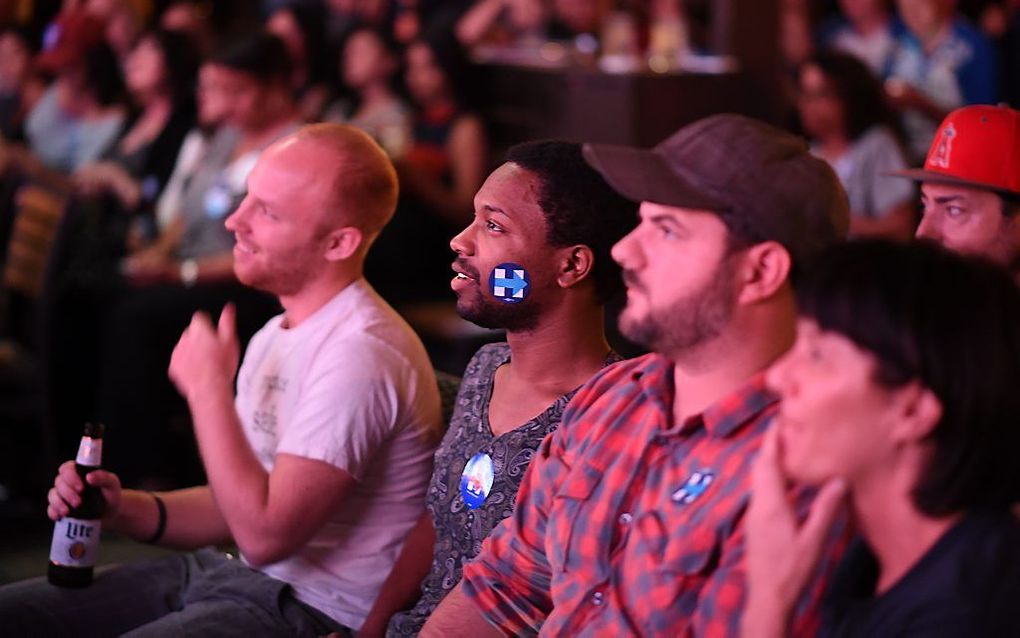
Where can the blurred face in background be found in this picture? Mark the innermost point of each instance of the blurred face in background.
(821, 111)
(215, 101)
(857, 11)
(925, 18)
(145, 71)
(283, 25)
(366, 60)
(425, 80)
(15, 59)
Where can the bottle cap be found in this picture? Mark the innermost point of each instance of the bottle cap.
(94, 430)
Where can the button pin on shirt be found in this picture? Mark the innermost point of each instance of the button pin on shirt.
(596, 598)
(626, 518)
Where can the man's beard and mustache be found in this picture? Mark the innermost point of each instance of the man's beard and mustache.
(474, 305)
(686, 323)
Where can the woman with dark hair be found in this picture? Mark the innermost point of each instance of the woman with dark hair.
(844, 113)
(446, 163)
(189, 266)
(370, 65)
(159, 73)
(256, 72)
(81, 113)
(439, 174)
(302, 29)
(901, 393)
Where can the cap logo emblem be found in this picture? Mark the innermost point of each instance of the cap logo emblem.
(944, 148)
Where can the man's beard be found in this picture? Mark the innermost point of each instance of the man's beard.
(473, 305)
(688, 322)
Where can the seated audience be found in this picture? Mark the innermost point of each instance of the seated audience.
(17, 88)
(970, 184)
(630, 516)
(501, 22)
(939, 63)
(897, 395)
(124, 20)
(214, 105)
(82, 112)
(843, 112)
(866, 29)
(549, 214)
(439, 173)
(193, 19)
(370, 66)
(301, 27)
(317, 468)
(159, 74)
(190, 264)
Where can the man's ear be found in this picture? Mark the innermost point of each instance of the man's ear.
(343, 243)
(764, 269)
(576, 264)
(918, 412)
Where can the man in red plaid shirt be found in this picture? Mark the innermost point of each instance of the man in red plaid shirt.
(630, 520)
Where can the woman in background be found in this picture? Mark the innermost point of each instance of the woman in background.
(370, 66)
(439, 174)
(844, 113)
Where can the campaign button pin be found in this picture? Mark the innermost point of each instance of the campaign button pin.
(476, 481)
(692, 489)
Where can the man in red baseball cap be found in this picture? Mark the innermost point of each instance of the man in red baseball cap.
(970, 184)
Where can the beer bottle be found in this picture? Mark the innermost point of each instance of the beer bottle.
(76, 536)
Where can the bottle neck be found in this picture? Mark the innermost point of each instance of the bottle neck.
(90, 452)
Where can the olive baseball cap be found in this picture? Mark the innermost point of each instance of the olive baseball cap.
(761, 177)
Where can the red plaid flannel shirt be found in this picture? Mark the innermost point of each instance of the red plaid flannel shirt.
(626, 525)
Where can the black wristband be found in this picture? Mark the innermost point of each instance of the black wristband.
(161, 524)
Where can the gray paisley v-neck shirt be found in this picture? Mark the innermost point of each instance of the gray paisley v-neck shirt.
(459, 529)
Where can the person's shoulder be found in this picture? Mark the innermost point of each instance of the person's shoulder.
(966, 38)
(624, 378)
(877, 140)
(627, 371)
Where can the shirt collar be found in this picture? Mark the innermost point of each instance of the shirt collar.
(720, 419)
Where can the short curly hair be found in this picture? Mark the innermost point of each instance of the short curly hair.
(579, 206)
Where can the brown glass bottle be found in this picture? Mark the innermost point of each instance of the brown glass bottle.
(76, 536)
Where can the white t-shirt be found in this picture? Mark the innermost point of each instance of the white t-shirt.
(351, 386)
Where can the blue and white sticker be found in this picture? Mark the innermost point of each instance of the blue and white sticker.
(692, 489)
(219, 200)
(476, 481)
(509, 283)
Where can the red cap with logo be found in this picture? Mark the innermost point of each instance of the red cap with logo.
(976, 146)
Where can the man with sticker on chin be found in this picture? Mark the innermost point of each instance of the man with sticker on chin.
(535, 262)
(629, 520)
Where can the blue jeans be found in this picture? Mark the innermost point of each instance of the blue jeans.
(205, 593)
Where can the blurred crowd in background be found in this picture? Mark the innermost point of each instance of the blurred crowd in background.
(144, 118)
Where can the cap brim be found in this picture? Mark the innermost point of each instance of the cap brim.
(921, 175)
(643, 175)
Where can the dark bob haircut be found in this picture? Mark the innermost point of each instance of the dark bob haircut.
(579, 206)
(260, 55)
(860, 92)
(953, 324)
